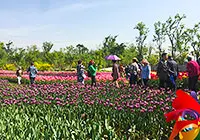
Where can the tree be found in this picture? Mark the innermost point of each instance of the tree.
(19, 56)
(174, 30)
(8, 47)
(81, 49)
(70, 55)
(110, 46)
(47, 46)
(3, 55)
(159, 37)
(153, 59)
(193, 36)
(58, 59)
(149, 50)
(143, 31)
(182, 48)
(99, 59)
(9, 50)
(32, 54)
(129, 53)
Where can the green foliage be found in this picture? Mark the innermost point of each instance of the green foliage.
(47, 46)
(3, 55)
(110, 46)
(182, 57)
(153, 60)
(143, 31)
(174, 29)
(129, 54)
(159, 37)
(193, 37)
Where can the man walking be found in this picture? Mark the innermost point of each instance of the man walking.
(163, 71)
(32, 72)
(173, 71)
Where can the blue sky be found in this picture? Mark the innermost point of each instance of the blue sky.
(69, 22)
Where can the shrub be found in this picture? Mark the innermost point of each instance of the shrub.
(9, 67)
(43, 66)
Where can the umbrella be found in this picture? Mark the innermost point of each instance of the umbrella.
(112, 57)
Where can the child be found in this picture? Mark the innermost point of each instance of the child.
(19, 73)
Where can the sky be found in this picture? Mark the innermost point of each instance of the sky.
(88, 22)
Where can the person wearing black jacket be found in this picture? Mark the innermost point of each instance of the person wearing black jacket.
(163, 72)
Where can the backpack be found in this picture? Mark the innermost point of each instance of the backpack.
(133, 69)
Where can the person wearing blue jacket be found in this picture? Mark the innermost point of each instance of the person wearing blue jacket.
(146, 72)
(32, 70)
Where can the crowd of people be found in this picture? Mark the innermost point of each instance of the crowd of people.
(137, 73)
(168, 70)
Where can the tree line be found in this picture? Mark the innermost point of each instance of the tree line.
(182, 41)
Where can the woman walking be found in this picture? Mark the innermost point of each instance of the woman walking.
(92, 72)
(115, 73)
(146, 72)
(134, 71)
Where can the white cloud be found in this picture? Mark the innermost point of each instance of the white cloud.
(37, 26)
(76, 7)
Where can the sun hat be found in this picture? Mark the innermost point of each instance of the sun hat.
(135, 59)
(144, 61)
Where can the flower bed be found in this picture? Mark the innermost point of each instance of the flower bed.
(71, 76)
(62, 111)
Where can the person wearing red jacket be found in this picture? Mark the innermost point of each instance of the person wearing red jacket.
(193, 73)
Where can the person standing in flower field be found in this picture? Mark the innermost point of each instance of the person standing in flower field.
(92, 69)
(32, 70)
(134, 71)
(193, 73)
(80, 72)
(115, 73)
(19, 73)
(173, 71)
(139, 79)
(163, 71)
(146, 72)
(121, 70)
(127, 72)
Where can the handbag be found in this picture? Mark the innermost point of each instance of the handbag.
(84, 76)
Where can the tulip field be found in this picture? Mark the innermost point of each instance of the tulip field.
(53, 109)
